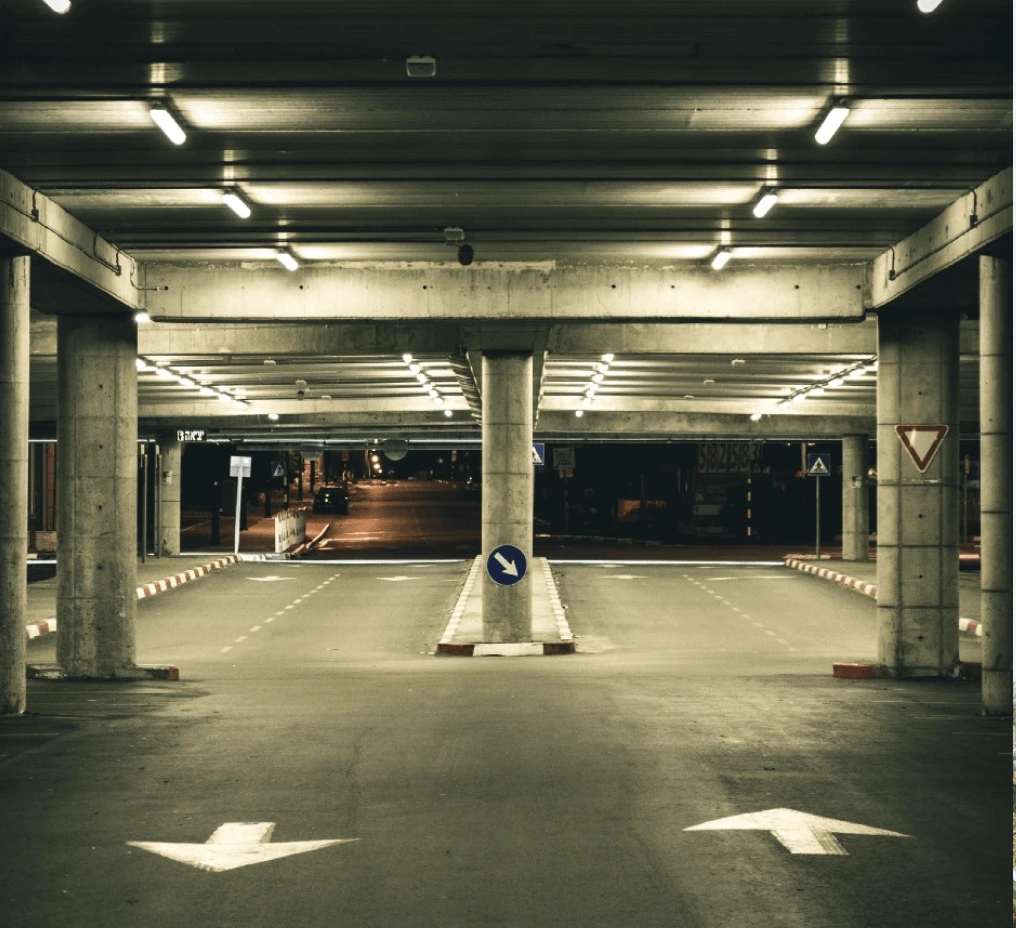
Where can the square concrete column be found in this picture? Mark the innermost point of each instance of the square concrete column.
(170, 463)
(97, 486)
(918, 512)
(996, 484)
(507, 508)
(14, 355)
(855, 498)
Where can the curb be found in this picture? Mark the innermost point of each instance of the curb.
(868, 589)
(506, 649)
(609, 539)
(160, 586)
(48, 627)
(138, 672)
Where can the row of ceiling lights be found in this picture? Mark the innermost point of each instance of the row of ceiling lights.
(163, 371)
(819, 387)
(596, 378)
(425, 383)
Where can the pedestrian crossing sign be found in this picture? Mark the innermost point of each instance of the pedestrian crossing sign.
(819, 466)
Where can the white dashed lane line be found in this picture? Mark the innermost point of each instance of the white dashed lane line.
(744, 615)
(281, 613)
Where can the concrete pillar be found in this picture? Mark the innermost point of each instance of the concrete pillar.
(14, 354)
(918, 513)
(855, 497)
(97, 485)
(996, 484)
(170, 463)
(507, 507)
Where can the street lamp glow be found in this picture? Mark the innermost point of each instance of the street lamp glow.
(58, 6)
(579, 413)
(141, 317)
(274, 416)
(925, 6)
(607, 358)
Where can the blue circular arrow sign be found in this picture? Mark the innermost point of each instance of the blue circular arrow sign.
(506, 565)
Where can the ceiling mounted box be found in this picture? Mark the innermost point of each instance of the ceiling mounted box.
(421, 66)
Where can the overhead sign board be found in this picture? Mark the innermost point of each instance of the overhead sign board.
(506, 565)
(564, 458)
(539, 453)
(819, 465)
(922, 442)
(190, 434)
(239, 466)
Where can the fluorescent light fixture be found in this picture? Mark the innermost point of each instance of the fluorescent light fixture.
(241, 403)
(448, 413)
(834, 117)
(206, 391)
(755, 416)
(141, 317)
(856, 372)
(141, 364)
(591, 390)
(816, 391)
(783, 403)
(579, 413)
(798, 397)
(597, 378)
(414, 368)
(765, 202)
(236, 203)
(61, 6)
(438, 401)
(607, 358)
(163, 118)
(225, 398)
(836, 382)
(422, 377)
(274, 416)
(587, 401)
(286, 259)
(871, 367)
(925, 6)
(602, 368)
(185, 381)
(164, 373)
(720, 259)
(407, 358)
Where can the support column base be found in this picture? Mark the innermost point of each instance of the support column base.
(140, 672)
(996, 693)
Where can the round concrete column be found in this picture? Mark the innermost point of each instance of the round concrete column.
(97, 485)
(855, 497)
(170, 463)
(507, 488)
(14, 354)
(996, 484)
(918, 513)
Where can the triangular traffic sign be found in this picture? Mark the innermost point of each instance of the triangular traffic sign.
(922, 442)
(818, 469)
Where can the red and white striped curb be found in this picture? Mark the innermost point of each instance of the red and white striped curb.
(41, 628)
(48, 627)
(869, 589)
(160, 586)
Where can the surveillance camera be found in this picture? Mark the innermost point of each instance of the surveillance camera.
(300, 394)
(465, 254)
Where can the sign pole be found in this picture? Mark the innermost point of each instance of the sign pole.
(236, 530)
(818, 517)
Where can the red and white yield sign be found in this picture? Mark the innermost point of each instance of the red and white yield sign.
(922, 442)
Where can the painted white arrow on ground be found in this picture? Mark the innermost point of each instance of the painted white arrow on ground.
(271, 579)
(506, 565)
(798, 832)
(235, 844)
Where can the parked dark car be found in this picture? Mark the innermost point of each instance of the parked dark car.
(332, 499)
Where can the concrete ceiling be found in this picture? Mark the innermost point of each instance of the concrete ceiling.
(556, 135)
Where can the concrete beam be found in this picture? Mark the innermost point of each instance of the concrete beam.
(214, 410)
(479, 294)
(719, 406)
(32, 224)
(962, 229)
(687, 426)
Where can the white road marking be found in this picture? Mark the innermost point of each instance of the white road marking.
(771, 634)
(241, 638)
(235, 844)
(798, 832)
(398, 579)
(271, 579)
(299, 599)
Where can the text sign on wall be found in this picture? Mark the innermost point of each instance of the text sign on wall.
(564, 457)
(190, 434)
(724, 457)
